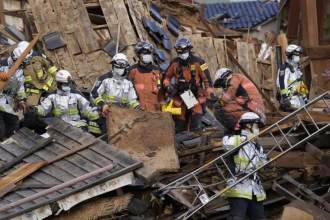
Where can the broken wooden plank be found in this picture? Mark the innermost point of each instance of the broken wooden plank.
(318, 154)
(147, 174)
(199, 149)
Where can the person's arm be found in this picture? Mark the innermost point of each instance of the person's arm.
(85, 108)
(206, 79)
(229, 95)
(283, 82)
(97, 92)
(132, 99)
(46, 106)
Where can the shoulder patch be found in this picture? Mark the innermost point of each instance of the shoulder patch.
(204, 66)
(282, 72)
(44, 56)
(97, 83)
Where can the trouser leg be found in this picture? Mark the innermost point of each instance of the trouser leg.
(228, 121)
(11, 124)
(181, 121)
(238, 208)
(256, 210)
(2, 127)
(102, 123)
(196, 123)
(30, 121)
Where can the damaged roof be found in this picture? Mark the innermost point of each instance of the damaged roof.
(242, 14)
(99, 154)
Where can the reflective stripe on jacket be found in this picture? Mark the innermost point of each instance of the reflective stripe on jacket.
(243, 92)
(68, 107)
(202, 77)
(249, 158)
(113, 91)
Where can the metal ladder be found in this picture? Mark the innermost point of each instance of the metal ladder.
(191, 181)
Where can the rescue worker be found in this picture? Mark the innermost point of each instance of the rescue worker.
(9, 121)
(24, 44)
(190, 72)
(289, 80)
(39, 80)
(66, 103)
(147, 78)
(113, 88)
(240, 96)
(245, 198)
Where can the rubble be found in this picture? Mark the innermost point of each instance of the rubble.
(144, 151)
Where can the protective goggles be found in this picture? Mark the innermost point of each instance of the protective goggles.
(120, 63)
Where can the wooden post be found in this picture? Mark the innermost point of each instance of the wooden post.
(310, 32)
(273, 62)
(2, 14)
(313, 85)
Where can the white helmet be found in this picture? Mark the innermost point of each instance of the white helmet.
(251, 117)
(63, 76)
(23, 44)
(220, 75)
(119, 64)
(293, 49)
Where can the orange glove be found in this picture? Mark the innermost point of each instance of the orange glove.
(105, 109)
(21, 106)
(3, 76)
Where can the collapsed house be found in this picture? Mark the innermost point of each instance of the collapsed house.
(78, 177)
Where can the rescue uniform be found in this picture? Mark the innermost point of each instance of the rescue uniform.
(241, 96)
(9, 122)
(68, 106)
(245, 198)
(39, 80)
(4, 62)
(190, 74)
(147, 82)
(112, 91)
(287, 84)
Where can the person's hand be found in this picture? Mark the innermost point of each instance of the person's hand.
(31, 110)
(3, 77)
(210, 103)
(169, 89)
(105, 109)
(252, 137)
(286, 103)
(21, 106)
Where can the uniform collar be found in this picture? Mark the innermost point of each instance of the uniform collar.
(145, 68)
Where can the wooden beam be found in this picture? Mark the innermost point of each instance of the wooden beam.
(274, 74)
(200, 149)
(103, 26)
(313, 85)
(2, 15)
(310, 32)
(283, 42)
(318, 52)
(318, 154)
(92, 5)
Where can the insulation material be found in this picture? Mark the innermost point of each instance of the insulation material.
(148, 136)
(70, 201)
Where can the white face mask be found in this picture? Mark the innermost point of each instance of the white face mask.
(119, 71)
(296, 59)
(66, 88)
(256, 131)
(184, 56)
(147, 58)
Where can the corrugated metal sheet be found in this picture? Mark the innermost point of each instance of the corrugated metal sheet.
(66, 137)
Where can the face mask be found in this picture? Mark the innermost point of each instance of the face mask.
(255, 131)
(147, 58)
(119, 71)
(66, 88)
(184, 56)
(296, 59)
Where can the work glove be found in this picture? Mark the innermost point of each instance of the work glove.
(31, 110)
(3, 77)
(286, 103)
(169, 89)
(218, 105)
(21, 106)
(210, 103)
(105, 109)
(252, 137)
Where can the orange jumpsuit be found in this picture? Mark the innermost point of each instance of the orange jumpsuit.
(202, 75)
(147, 80)
(242, 96)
